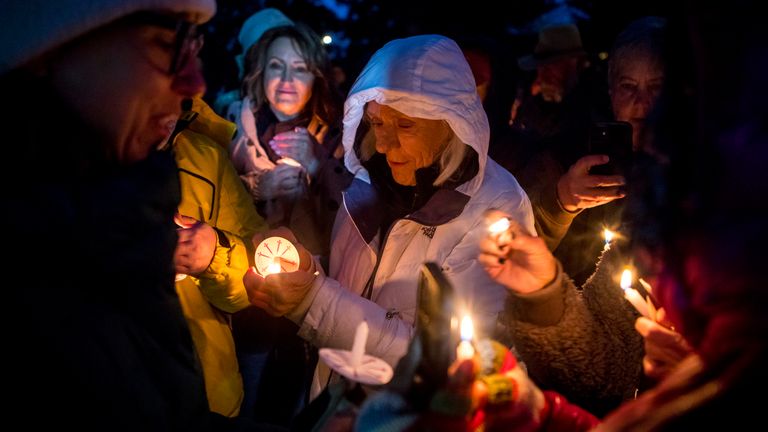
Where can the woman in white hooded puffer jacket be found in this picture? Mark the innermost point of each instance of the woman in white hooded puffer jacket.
(416, 138)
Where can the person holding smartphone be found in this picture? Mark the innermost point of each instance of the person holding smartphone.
(572, 208)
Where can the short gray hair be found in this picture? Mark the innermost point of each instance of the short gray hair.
(644, 36)
(451, 159)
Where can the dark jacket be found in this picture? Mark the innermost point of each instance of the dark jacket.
(94, 329)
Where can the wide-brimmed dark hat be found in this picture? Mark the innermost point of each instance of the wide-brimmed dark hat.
(554, 43)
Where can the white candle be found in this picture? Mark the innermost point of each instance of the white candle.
(289, 161)
(500, 229)
(358, 346)
(632, 295)
(465, 350)
(499, 226)
(646, 285)
(649, 289)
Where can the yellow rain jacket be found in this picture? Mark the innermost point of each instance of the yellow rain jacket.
(212, 192)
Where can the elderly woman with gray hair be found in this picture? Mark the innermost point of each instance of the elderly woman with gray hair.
(416, 138)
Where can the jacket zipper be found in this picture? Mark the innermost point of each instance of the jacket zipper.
(368, 291)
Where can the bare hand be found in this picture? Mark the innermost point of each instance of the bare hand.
(282, 181)
(521, 262)
(306, 264)
(578, 190)
(195, 247)
(279, 293)
(664, 347)
(298, 145)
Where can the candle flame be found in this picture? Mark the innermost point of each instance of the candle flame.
(499, 226)
(626, 279)
(273, 268)
(467, 329)
(608, 235)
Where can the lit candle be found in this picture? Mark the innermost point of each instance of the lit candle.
(499, 226)
(632, 295)
(500, 229)
(465, 350)
(356, 365)
(649, 289)
(276, 255)
(273, 268)
(289, 161)
(608, 236)
(358, 346)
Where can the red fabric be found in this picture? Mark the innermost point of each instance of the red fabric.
(559, 415)
(480, 65)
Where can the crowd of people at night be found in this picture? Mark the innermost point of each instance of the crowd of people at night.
(181, 260)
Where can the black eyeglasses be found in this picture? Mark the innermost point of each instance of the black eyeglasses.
(188, 41)
(186, 47)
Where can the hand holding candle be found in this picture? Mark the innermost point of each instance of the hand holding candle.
(276, 255)
(273, 268)
(279, 293)
(500, 229)
(513, 257)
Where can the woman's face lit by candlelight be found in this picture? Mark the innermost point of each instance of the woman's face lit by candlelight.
(287, 79)
(635, 91)
(409, 143)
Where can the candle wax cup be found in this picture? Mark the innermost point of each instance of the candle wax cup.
(355, 365)
(275, 255)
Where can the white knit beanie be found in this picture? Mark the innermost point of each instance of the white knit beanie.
(255, 27)
(29, 28)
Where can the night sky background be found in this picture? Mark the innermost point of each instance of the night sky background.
(506, 29)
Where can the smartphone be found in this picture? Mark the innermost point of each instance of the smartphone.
(613, 139)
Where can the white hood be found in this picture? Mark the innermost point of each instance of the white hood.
(421, 76)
